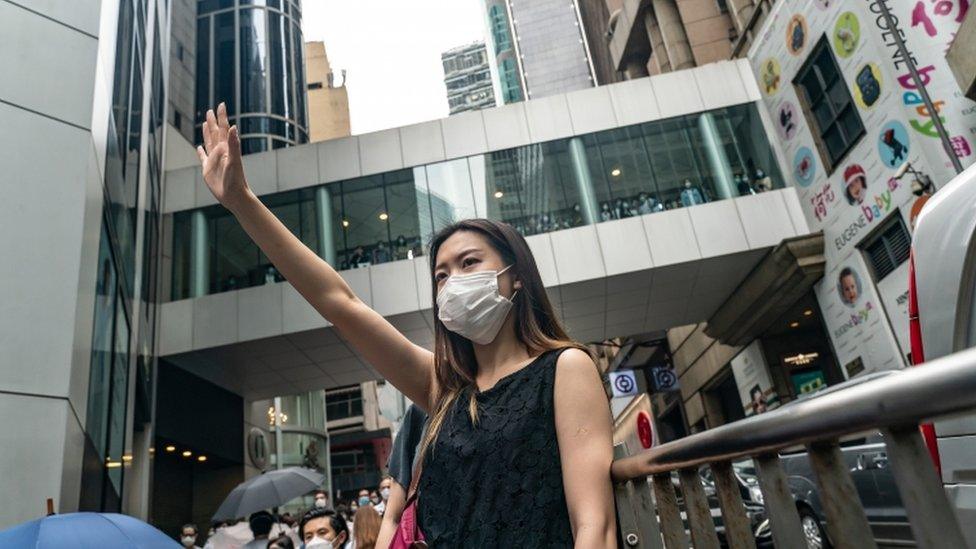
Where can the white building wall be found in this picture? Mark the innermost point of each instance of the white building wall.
(873, 330)
(54, 101)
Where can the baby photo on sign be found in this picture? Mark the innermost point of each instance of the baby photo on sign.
(849, 286)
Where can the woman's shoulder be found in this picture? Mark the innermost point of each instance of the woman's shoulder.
(574, 361)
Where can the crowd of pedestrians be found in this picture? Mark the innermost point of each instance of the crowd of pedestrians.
(349, 525)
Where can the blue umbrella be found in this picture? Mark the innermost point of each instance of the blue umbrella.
(85, 531)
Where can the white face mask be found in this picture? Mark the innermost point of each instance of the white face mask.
(320, 503)
(188, 541)
(470, 305)
(385, 494)
(318, 543)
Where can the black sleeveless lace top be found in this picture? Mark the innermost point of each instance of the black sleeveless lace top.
(498, 483)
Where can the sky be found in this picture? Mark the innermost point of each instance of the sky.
(391, 50)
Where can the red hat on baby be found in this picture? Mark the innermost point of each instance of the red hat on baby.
(852, 173)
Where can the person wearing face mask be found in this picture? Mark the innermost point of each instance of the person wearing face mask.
(324, 529)
(503, 385)
(374, 498)
(363, 498)
(384, 494)
(188, 536)
(321, 499)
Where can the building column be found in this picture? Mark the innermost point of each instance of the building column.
(659, 57)
(589, 208)
(673, 32)
(718, 161)
(324, 224)
(199, 255)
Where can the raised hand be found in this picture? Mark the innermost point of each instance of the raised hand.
(220, 158)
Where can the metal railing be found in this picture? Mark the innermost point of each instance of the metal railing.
(895, 404)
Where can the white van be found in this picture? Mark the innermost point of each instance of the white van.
(942, 311)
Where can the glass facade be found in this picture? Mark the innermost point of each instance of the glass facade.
(121, 337)
(613, 174)
(250, 56)
(503, 50)
(551, 47)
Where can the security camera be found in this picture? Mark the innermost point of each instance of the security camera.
(903, 169)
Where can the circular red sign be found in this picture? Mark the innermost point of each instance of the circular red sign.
(644, 431)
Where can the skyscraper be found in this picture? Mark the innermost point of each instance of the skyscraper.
(467, 75)
(550, 48)
(251, 58)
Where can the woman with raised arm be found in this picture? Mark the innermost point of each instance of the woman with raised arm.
(519, 445)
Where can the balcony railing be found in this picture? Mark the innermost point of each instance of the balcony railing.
(895, 404)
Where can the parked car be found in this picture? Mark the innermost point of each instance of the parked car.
(867, 460)
(942, 320)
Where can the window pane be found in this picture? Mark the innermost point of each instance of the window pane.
(251, 145)
(404, 225)
(836, 145)
(280, 100)
(234, 257)
(827, 67)
(254, 60)
(450, 193)
(851, 122)
(363, 204)
(299, 77)
(224, 68)
(203, 68)
(119, 393)
(839, 96)
(811, 84)
(101, 360)
(824, 115)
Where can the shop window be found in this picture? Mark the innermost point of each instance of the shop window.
(828, 104)
(342, 405)
(888, 247)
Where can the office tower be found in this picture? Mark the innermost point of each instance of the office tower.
(467, 76)
(251, 58)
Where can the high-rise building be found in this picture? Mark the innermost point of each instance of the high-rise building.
(506, 71)
(81, 143)
(637, 37)
(467, 76)
(328, 99)
(250, 56)
(539, 48)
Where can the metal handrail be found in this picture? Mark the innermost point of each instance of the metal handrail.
(939, 388)
(895, 404)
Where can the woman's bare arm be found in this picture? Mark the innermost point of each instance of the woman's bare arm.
(584, 430)
(408, 366)
(391, 515)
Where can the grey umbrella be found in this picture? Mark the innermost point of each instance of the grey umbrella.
(268, 490)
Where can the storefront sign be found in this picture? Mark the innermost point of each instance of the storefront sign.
(848, 201)
(752, 377)
(623, 383)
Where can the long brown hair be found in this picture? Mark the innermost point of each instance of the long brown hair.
(367, 527)
(536, 325)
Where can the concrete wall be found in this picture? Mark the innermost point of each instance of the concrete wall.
(54, 100)
(328, 107)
